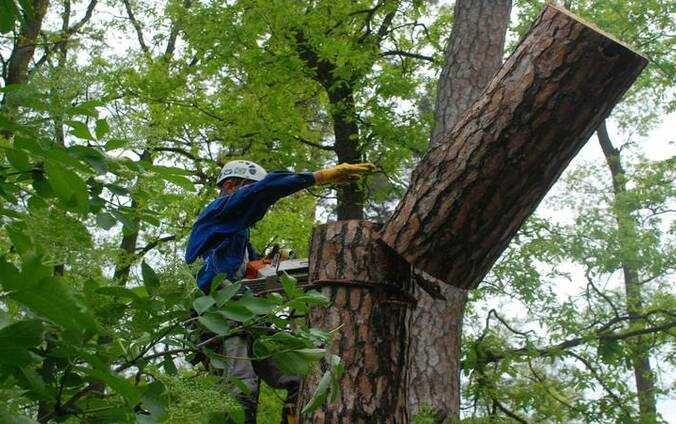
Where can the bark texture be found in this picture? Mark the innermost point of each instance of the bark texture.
(639, 347)
(470, 195)
(366, 283)
(473, 54)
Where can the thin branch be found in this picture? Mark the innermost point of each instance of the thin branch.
(385, 24)
(179, 151)
(313, 144)
(563, 346)
(402, 53)
(153, 244)
(3, 62)
(87, 16)
(499, 318)
(173, 35)
(590, 283)
(66, 33)
(137, 27)
(506, 411)
(598, 378)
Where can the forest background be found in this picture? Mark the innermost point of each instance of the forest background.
(114, 121)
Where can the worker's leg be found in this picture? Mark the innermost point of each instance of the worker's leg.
(275, 378)
(236, 350)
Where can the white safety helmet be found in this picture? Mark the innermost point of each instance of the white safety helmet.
(241, 169)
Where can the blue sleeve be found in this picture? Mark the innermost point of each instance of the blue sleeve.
(249, 204)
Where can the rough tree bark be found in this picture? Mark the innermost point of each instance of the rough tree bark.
(640, 349)
(367, 285)
(469, 196)
(473, 54)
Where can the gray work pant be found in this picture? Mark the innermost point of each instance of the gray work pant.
(237, 350)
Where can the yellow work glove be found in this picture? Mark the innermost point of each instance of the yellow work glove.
(343, 173)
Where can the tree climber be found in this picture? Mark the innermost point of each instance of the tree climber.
(221, 237)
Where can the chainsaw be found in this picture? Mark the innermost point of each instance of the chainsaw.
(263, 276)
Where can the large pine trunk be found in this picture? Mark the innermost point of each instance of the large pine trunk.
(473, 54)
(368, 287)
(471, 193)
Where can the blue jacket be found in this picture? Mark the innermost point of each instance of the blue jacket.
(221, 233)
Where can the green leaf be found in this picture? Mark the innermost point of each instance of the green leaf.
(129, 226)
(20, 240)
(53, 300)
(150, 278)
(609, 351)
(154, 400)
(119, 384)
(258, 305)
(292, 363)
(87, 108)
(215, 323)
(169, 366)
(311, 354)
(68, 186)
(115, 143)
(18, 159)
(105, 220)
(8, 13)
(10, 213)
(80, 130)
(320, 395)
(45, 295)
(203, 303)
(101, 128)
(117, 189)
(226, 293)
(116, 291)
(290, 286)
(170, 170)
(235, 312)
(17, 338)
(6, 417)
(180, 181)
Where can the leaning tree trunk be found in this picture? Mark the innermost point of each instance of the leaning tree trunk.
(470, 195)
(368, 288)
(467, 198)
(473, 54)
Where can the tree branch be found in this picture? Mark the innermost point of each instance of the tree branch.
(402, 53)
(87, 16)
(385, 24)
(153, 244)
(506, 411)
(139, 30)
(66, 33)
(313, 144)
(598, 378)
(578, 341)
